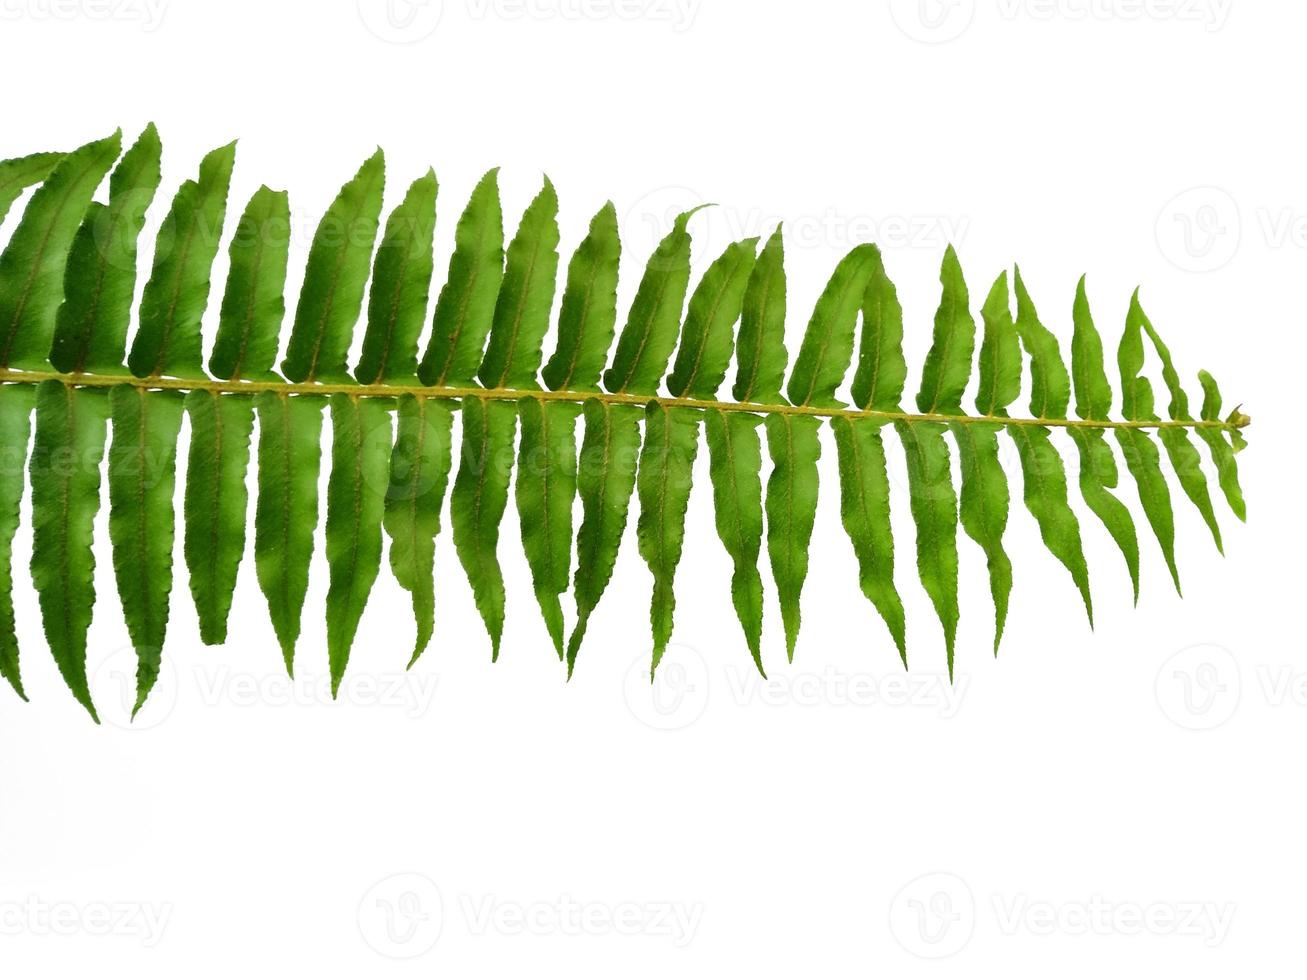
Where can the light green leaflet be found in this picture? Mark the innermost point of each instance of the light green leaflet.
(588, 316)
(32, 265)
(21, 173)
(419, 474)
(401, 282)
(67, 277)
(254, 302)
(671, 443)
(605, 479)
(1098, 470)
(466, 304)
(477, 502)
(649, 337)
(168, 341)
(1041, 466)
(335, 278)
(100, 278)
(1138, 448)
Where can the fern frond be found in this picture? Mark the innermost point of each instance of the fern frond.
(70, 391)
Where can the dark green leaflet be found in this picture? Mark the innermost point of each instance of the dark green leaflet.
(588, 316)
(649, 337)
(32, 264)
(671, 443)
(65, 469)
(1141, 455)
(948, 365)
(254, 303)
(16, 403)
(882, 371)
(546, 490)
(419, 474)
(356, 493)
(335, 278)
(168, 340)
(1041, 466)
(605, 480)
(984, 502)
(216, 503)
(477, 502)
(22, 172)
(827, 346)
(706, 338)
(401, 286)
(735, 455)
(1098, 470)
(761, 347)
(142, 474)
(1184, 457)
(286, 513)
(100, 278)
(791, 510)
(864, 509)
(1221, 451)
(935, 512)
(526, 298)
(466, 305)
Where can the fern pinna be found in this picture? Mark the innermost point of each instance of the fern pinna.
(67, 280)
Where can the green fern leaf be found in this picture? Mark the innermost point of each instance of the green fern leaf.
(546, 491)
(707, 338)
(605, 479)
(142, 472)
(649, 337)
(671, 443)
(419, 474)
(761, 347)
(33, 263)
(882, 370)
(791, 510)
(466, 305)
(827, 347)
(16, 403)
(526, 297)
(735, 455)
(401, 286)
(477, 502)
(254, 302)
(1041, 466)
(1098, 470)
(216, 503)
(335, 278)
(22, 172)
(1140, 452)
(356, 491)
(1221, 451)
(66, 454)
(588, 317)
(286, 512)
(100, 278)
(168, 340)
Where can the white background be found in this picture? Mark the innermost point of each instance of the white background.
(1126, 798)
